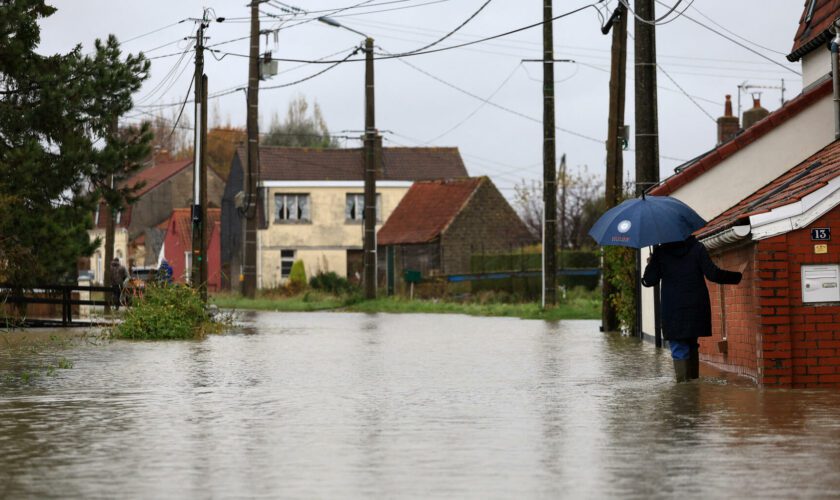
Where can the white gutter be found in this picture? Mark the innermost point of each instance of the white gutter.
(780, 220)
(726, 237)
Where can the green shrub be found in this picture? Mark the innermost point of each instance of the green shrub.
(297, 277)
(332, 283)
(620, 270)
(166, 312)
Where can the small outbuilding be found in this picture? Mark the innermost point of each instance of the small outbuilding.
(781, 325)
(439, 225)
(177, 246)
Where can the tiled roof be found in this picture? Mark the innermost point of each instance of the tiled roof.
(181, 220)
(155, 175)
(813, 29)
(697, 167)
(426, 210)
(796, 183)
(399, 164)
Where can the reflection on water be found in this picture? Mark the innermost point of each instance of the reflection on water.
(351, 405)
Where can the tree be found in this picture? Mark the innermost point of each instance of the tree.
(300, 129)
(583, 202)
(221, 144)
(53, 111)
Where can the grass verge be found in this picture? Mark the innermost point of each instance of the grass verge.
(578, 305)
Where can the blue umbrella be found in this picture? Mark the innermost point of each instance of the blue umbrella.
(646, 221)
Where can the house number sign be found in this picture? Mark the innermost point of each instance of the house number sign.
(821, 234)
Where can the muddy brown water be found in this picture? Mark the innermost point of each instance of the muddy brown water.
(329, 405)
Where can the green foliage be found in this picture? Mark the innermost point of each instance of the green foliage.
(620, 270)
(54, 110)
(331, 282)
(166, 312)
(532, 261)
(297, 277)
(299, 129)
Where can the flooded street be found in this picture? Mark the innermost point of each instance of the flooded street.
(351, 405)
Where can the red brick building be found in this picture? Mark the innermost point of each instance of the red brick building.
(177, 246)
(781, 325)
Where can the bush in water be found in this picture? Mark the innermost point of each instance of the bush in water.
(166, 312)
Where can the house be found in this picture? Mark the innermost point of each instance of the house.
(311, 205)
(764, 187)
(781, 324)
(177, 246)
(439, 225)
(164, 187)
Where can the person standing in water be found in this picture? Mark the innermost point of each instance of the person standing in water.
(686, 309)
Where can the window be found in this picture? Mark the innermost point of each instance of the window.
(291, 207)
(354, 207)
(96, 217)
(119, 217)
(287, 258)
(187, 266)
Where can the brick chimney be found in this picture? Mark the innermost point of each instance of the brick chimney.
(727, 125)
(754, 115)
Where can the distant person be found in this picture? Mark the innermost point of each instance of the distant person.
(164, 273)
(118, 277)
(686, 309)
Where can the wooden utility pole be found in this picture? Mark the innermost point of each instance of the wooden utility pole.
(549, 249)
(249, 265)
(202, 186)
(647, 128)
(615, 160)
(369, 242)
(198, 212)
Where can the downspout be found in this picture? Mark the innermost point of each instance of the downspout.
(835, 76)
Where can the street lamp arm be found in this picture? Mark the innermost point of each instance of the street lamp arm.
(336, 24)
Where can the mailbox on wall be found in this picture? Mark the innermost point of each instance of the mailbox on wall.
(821, 283)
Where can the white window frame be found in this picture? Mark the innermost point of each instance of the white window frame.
(281, 212)
(359, 200)
(187, 265)
(287, 256)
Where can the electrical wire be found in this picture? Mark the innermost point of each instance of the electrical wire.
(737, 35)
(657, 22)
(153, 31)
(444, 37)
(184, 105)
(319, 73)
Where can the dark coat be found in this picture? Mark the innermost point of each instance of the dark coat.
(686, 310)
(118, 274)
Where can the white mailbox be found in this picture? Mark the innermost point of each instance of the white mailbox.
(821, 283)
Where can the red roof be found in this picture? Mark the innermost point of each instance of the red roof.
(426, 210)
(316, 164)
(814, 25)
(181, 222)
(697, 167)
(796, 183)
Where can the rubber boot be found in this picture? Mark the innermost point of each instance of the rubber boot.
(694, 365)
(681, 369)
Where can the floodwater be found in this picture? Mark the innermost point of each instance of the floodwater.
(351, 405)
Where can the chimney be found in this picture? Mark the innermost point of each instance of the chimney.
(754, 115)
(727, 125)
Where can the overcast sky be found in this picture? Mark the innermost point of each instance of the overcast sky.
(413, 109)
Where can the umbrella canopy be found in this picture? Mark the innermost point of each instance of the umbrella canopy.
(646, 221)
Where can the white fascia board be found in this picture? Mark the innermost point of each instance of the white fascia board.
(333, 184)
(798, 214)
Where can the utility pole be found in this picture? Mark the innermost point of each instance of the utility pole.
(199, 210)
(647, 128)
(549, 247)
(369, 242)
(202, 182)
(615, 159)
(249, 265)
(563, 186)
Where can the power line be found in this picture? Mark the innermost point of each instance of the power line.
(736, 42)
(444, 37)
(737, 35)
(184, 105)
(153, 31)
(660, 21)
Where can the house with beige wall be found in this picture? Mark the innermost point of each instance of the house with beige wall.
(752, 154)
(310, 206)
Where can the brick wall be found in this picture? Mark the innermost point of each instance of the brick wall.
(488, 224)
(783, 342)
(738, 320)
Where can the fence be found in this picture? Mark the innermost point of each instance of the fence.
(65, 298)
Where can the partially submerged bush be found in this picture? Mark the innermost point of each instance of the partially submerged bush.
(166, 312)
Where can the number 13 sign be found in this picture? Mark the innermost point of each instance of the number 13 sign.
(821, 234)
